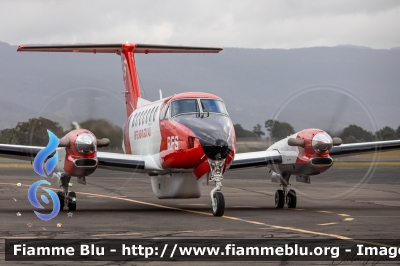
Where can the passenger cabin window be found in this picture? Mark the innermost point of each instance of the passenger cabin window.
(184, 106)
(137, 120)
(213, 106)
(155, 113)
(133, 120)
(145, 116)
(149, 118)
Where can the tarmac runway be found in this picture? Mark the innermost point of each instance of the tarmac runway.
(343, 203)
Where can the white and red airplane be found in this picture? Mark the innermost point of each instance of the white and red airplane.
(179, 139)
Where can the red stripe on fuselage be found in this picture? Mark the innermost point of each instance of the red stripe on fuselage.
(175, 152)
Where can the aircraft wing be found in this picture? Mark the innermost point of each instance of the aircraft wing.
(20, 152)
(364, 147)
(106, 160)
(126, 162)
(268, 157)
(255, 159)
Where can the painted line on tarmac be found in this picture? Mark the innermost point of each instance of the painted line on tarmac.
(125, 234)
(225, 217)
(325, 211)
(328, 224)
(293, 229)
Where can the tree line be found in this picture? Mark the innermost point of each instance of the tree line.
(351, 134)
(34, 132)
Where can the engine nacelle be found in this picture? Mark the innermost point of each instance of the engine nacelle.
(78, 153)
(306, 152)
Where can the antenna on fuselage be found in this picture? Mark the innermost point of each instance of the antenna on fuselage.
(160, 94)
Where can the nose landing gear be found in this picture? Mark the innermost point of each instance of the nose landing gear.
(215, 175)
(66, 198)
(284, 196)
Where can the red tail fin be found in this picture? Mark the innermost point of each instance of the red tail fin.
(132, 90)
(127, 52)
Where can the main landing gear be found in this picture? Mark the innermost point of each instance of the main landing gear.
(284, 195)
(215, 175)
(66, 198)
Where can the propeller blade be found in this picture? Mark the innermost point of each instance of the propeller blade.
(296, 142)
(337, 141)
(104, 142)
(76, 125)
(64, 143)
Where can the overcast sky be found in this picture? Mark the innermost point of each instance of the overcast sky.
(247, 24)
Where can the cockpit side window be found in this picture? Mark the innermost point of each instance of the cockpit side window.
(184, 106)
(164, 112)
(213, 106)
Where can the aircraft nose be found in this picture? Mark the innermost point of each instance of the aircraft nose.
(214, 133)
(218, 150)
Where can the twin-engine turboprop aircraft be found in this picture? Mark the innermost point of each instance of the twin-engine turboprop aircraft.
(179, 139)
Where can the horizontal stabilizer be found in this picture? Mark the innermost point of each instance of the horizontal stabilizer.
(117, 48)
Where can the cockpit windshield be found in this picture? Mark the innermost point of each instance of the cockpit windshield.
(213, 106)
(184, 106)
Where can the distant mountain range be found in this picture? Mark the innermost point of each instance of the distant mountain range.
(335, 86)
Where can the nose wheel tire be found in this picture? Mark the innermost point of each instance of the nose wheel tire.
(72, 201)
(61, 199)
(219, 207)
(292, 199)
(279, 199)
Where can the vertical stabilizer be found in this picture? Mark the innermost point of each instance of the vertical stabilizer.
(132, 90)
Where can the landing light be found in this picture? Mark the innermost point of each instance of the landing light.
(85, 143)
(322, 142)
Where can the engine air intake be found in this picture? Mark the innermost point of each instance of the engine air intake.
(321, 161)
(85, 163)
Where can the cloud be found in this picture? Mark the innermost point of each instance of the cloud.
(250, 24)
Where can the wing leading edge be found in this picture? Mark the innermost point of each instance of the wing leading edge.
(268, 157)
(256, 159)
(106, 160)
(20, 152)
(364, 147)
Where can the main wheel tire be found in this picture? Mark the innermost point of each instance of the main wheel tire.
(219, 208)
(279, 199)
(72, 201)
(61, 199)
(292, 199)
